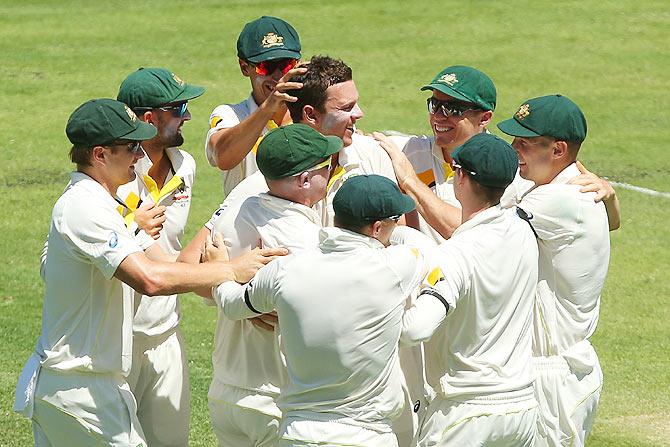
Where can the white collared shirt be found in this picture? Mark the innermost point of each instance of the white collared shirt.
(245, 356)
(157, 315)
(87, 314)
(224, 117)
(574, 247)
(340, 309)
(363, 156)
(484, 345)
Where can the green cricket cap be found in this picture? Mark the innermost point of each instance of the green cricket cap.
(364, 199)
(103, 121)
(466, 84)
(292, 149)
(554, 116)
(268, 38)
(492, 160)
(155, 87)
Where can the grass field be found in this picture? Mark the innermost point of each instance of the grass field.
(611, 57)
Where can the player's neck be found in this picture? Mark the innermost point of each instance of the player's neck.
(160, 162)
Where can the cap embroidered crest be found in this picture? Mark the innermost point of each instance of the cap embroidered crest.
(178, 80)
(523, 111)
(449, 79)
(272, 40)
(130, 113)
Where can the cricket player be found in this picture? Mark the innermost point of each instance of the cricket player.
(268, 49)
(248, 368)
(479, 332)
(340, 309)
(574, 247)
(163, 186)
(461, 105)
(73, 387)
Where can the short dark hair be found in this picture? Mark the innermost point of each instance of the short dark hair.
(489, 194)
(322, 72)
(81, 155)
(355, 227)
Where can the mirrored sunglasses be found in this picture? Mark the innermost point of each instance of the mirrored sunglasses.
(177, 110)
(448, 108)
(266, 68)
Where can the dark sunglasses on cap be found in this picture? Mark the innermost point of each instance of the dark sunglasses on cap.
(266, 68)
(177, 110)
(448, 108)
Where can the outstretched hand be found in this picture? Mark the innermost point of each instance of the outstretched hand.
(246, 266)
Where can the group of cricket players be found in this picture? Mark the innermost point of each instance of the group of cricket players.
(371, 290)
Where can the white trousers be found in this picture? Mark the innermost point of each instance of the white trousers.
(159, 380)
(242, 418)
(501, 420)
(84, 409)
(309, 433)
(567, 402)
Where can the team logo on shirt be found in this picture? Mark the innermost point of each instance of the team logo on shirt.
(178, 80)
(523, 111)
(448, 78)
(130, 113)
(113, 240)
(272, 40)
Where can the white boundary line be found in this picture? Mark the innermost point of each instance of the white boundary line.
(647, 191)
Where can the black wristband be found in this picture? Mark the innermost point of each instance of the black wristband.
(435, 293)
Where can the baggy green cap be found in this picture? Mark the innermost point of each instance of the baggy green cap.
(155, 87)
(292, 149)
(268, 38)
(492, 160)
(102, 121)
(466, 84)
(364, 199)
(553, 116)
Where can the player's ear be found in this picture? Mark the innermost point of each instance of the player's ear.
(303, 180)
(309, 115)
(98, 155)
(245, 67)
(485, 118)
(376, 228)
(559, 149)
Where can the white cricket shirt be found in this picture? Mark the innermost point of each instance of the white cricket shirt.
(245, 356)
(574, 245)
(363, 156)
(87, 314)
(340, 310)
(484, 344)
(159, 314)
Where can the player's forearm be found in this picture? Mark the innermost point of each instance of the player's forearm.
(421, 320)
(231, 145)
(444, 218)
(230, 296)
(171, 278)
(193, 251)
(613, 209)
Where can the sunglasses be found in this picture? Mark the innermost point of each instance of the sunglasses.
(455, 166)
(266, 68)
(134, 147)
(448, 108)
(177, 110)
(327, 163)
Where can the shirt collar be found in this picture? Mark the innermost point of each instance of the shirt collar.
(566, 174)
(93, 186)
(333, 239)
(486, 216)
(282, 205)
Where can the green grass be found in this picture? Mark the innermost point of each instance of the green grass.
(609, 56)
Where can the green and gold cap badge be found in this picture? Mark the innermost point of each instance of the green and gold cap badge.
(268, 38)
(465, 84)
(554, 116)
